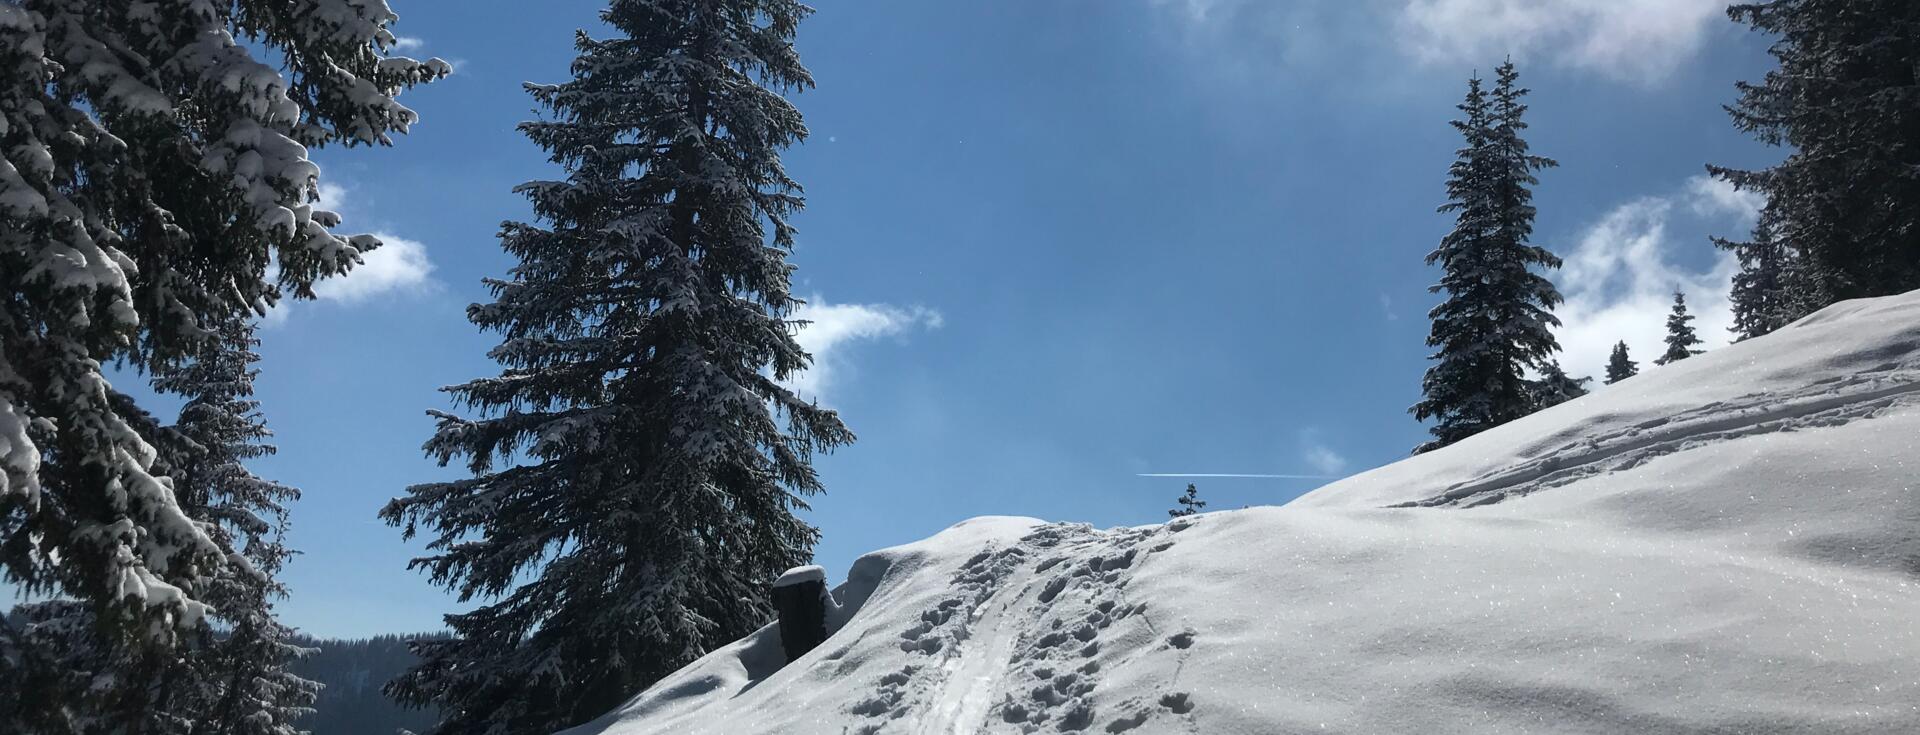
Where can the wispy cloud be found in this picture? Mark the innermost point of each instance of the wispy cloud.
(1619, 280)
(1326, 463)
(398, 265)
(1711, 197)
(1634, 40)
(1236, 475)
(1253, 38)
(1197, 11)
(1638, 41)
(1323, 459)
(830, 328)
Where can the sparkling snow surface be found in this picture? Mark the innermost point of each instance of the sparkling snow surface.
(1729, 544)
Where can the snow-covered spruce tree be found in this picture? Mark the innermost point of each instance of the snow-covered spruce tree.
(1497, 320)
(1555, 387)
(1764, 293)
(91, 678)
(1619, 365)
(235, 682)
(238, 683)
(638, 471)
(1190, 503)
(150, 166)
(1846, 200)
(1680, 335)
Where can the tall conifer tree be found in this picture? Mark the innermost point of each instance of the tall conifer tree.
(152, 164)
(638, 464)
(235, 682)
(1766, 293)
(1680, 334)
(1846, 201)
(1496, 323)
(1619, 365)
(238, 683)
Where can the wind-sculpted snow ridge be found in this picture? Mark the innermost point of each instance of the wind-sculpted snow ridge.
(1728, 544)
(1829, 402)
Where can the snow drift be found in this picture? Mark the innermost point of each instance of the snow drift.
(1729, 544)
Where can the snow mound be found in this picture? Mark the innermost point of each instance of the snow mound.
(801, 575)
(1728, 544)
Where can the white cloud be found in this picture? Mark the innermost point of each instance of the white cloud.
(1251, 39)
(277, 315)
(1235, 475)
(411, 44)
(1633, 40)
(1639, 40)
(1619, 280)
(831, 327)
(333, 198)
(1709, 196)
(399, 266)
(1194, 10)
(1317, 455)
(1323, 459)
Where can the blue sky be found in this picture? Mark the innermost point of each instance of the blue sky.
(1051, 246)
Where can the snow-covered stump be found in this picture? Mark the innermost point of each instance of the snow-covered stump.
(800, 597)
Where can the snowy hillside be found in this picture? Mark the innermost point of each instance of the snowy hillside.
(1727, 544)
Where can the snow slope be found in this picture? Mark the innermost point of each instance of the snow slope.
(1729, 544)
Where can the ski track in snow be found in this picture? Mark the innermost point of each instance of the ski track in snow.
(1830, 402)
(1070, 577)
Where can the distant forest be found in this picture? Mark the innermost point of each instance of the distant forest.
(353, 671)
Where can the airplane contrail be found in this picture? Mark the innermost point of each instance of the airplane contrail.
(1236, 474)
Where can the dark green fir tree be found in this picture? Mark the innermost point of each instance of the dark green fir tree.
(1846, 200)
(1680, 335)
(637, 464)
(240, 682)
(233, 682)
(1497, 320)
(1619, 365)
(1765, 294)
(157, 166)
(1190, 503)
